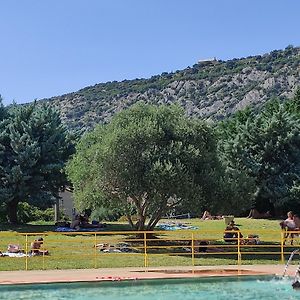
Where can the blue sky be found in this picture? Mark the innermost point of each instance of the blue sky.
(52, 47)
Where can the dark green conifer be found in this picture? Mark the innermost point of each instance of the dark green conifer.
(33, 149)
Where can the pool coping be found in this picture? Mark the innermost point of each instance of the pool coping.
(119, 274)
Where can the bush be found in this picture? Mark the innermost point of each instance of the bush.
(134, 218)
(28, 213)
(47, 215)
(105, 214)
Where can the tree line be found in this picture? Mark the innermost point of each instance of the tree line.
(150, 160)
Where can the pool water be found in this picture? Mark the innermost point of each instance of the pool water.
(233, 288)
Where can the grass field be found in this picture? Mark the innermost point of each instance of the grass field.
(77, 250)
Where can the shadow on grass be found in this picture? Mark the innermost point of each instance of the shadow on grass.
(23, 228)
(268, 251)
(256, 253)
(38, 228)
(118, 227)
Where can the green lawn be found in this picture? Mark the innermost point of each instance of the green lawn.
(76, 250)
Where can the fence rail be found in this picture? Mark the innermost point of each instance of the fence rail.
(145, 249)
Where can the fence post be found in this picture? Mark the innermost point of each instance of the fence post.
(95, 251)
(282, 240)
(193, 251)
(239, 248)
(26, 251)
(43, 248)
(145, 250)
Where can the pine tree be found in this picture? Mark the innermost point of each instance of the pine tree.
(267, 148)
(34, 147)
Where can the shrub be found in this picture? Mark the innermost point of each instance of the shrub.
(105, 214)
(28, 213)
(124, 218)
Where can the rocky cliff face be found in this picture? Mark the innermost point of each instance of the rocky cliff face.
(210, 89)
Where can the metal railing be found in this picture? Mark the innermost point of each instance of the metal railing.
(146, 249)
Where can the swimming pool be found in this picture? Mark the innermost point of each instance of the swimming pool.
(233, 288)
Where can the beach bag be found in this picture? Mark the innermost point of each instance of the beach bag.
(253, 239)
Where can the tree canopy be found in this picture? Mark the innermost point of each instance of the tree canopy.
(34, 147)
(266, 147)
(147, 160)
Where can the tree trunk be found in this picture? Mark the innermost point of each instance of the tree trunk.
(140, 225)
(153, 221)
(56, 210)
(130, 221)
(262, 203)
(12, 208)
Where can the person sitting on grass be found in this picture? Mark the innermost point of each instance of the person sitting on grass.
(36, 247)
(232, 233)
(82, 221)
(206, 216)
(201, 246)
(75, 223)
(252, 239)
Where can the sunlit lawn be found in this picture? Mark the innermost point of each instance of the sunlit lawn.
(77, 250)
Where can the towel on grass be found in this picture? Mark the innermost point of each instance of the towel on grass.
(179, 226)
(20, 254)
(68, 229)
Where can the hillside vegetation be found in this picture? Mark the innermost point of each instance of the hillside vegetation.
(210, 89)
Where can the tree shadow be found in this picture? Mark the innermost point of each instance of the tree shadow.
(35, 228)
(24, 228)
(118, 227)
(263, 252)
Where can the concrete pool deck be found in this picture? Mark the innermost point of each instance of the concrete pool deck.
(117, 274)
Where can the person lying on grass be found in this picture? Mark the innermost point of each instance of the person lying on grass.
(14, 248)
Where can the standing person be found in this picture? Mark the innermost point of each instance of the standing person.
(289, 222)
(288, 225)
(297, 222)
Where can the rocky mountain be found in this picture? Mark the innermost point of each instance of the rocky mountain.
(211, 89)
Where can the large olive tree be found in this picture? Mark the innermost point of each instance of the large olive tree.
(148, 160)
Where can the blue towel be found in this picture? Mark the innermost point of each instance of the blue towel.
(68, 229)
(176, 227)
